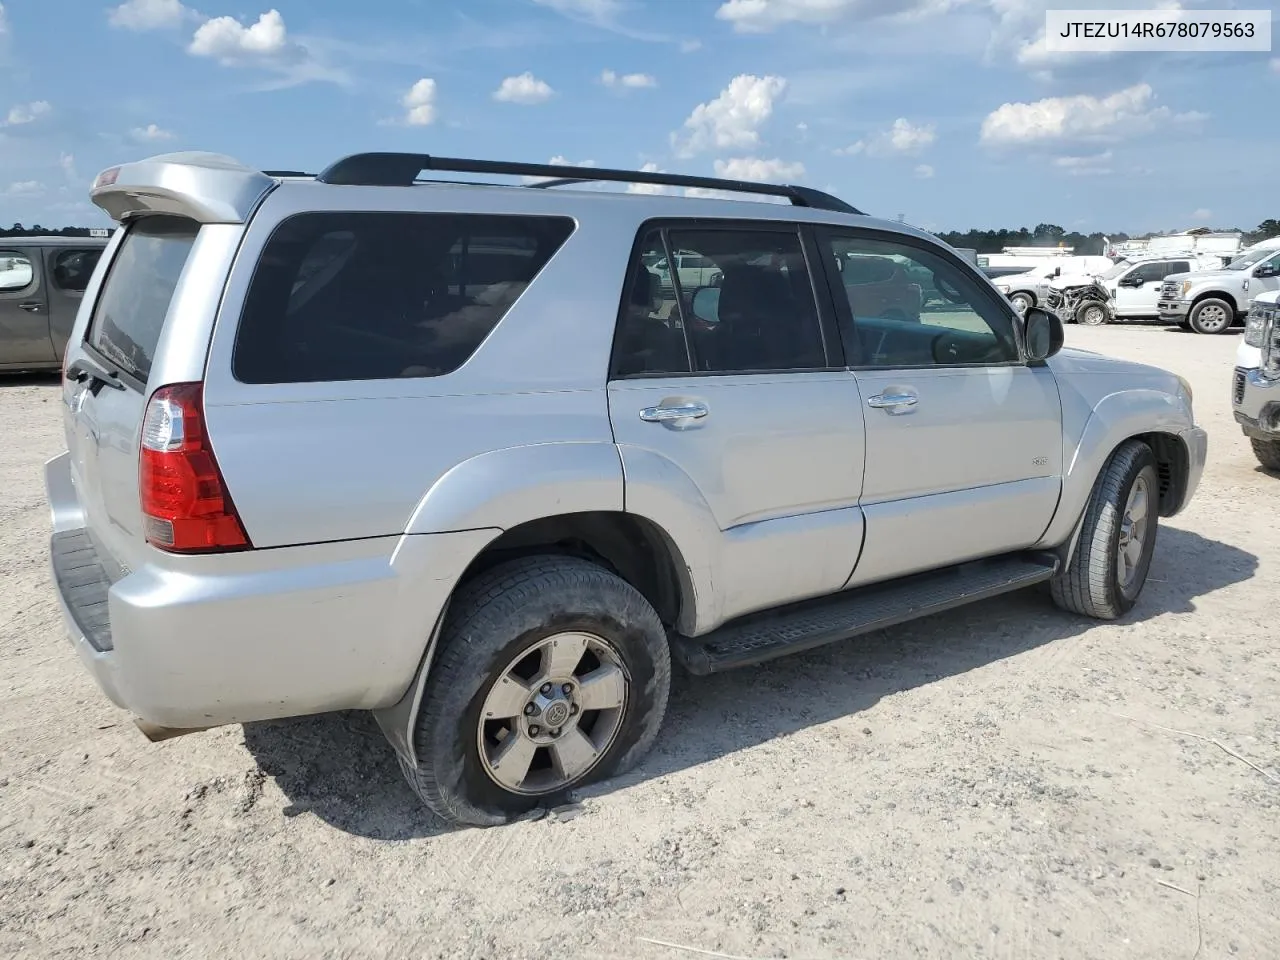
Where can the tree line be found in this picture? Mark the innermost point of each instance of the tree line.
(18, 230)
(1084, 244)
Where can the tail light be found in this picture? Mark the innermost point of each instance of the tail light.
(185, 504)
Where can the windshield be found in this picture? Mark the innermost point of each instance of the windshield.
(1246, 260)
(1118, 269)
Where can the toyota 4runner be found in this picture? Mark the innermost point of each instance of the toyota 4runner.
(455, 453)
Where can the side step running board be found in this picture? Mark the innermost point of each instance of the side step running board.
(776, 633)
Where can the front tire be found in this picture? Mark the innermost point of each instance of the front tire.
(551, 673)
(1092, 313)
(1211, 316)
(1022, 302)
(1117, 541)
(1267, 452)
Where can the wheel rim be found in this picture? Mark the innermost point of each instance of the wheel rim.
(1021, 304)
(1094, 316)
(552, 714)
(1133, 533)
(1212, 317)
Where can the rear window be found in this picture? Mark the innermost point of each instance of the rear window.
(130, 311)
(371, 296)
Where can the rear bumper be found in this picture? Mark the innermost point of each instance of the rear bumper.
(257, 635)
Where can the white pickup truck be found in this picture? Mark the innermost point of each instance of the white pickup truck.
(1212, 301)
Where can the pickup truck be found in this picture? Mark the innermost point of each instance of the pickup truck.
(1212, 301)
(42, 281)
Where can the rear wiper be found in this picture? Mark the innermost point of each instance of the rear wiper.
(83, 369)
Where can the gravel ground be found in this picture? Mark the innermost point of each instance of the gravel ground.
(1004, 781)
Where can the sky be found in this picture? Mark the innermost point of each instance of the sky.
(951, 114)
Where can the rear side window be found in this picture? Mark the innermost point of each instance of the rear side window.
(73, 268)
(372, 296)
(130, 311)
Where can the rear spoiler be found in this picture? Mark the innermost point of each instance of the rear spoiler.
(207, 187)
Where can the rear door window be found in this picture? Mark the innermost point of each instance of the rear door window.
(370, 296)
(73, 268)
(130, 311)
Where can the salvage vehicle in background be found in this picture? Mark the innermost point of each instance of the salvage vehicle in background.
(314, 464)
(42, 280)
(1212, 301)
(1255, 389)
(1031, 287)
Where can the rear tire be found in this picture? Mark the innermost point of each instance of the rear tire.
(1267, 452)
(501, 649)
(1109, 568)
(1211, 315)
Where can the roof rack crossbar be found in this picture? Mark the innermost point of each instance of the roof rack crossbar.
(402, 170)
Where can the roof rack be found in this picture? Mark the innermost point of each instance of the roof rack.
(402, 170)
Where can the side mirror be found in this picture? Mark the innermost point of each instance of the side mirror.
(1057, 271)
(706, 304)
(1265, 270)
(1043, 334)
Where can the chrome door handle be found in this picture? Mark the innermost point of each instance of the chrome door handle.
(30, 307)
(677, 411)
(882, 400)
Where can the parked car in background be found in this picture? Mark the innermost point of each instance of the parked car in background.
(1133, 284)
(42, 280)
(356, 441)
(1212, 301)
(1255, 389)
(693, 268)
(1029, 288)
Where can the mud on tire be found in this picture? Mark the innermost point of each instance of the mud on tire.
(510, 609)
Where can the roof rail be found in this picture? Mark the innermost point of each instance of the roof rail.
(402, 170)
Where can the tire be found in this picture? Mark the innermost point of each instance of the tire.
(1091, 313)
(1022, 302)
(1092, 584)
(1267, 452)
(1211, 315)
(494, 621)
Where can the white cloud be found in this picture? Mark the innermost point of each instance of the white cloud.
(525, 89)
(590, 9)
(1202, 214)
(628, 81)
(1089, 165)
(150, 134)
(649, 189)
(690, 46)
(25, 188)
(420, 103)
(762, 16)
(4, 23)
(924, 172)
(763, 171)
(1126, 113)
(228, 41)
(149, 14)
(903, 137)
(67, 162)
(23, 113)
(732, 119)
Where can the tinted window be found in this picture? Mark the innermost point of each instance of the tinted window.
(762, 315)
(1178, 266)
(73, 268)
(1156, 270)
(650, 338)
(131, 309)
(910, 306)
(370, 296)
(16, 271)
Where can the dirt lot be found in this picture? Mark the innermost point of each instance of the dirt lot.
(998, 782)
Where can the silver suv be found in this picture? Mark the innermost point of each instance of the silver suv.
(457, 454)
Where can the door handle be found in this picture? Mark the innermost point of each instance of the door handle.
(676, 411)
(30, 306)
(883, 401)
